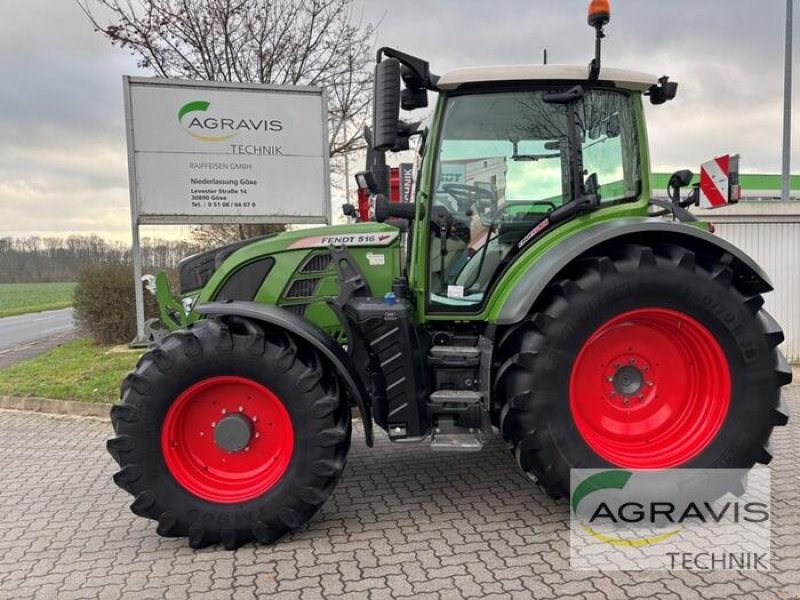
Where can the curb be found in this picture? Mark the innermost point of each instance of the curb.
(57, 407)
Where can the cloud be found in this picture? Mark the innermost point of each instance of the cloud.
(727, 56)
(62, 140)
(63, 167)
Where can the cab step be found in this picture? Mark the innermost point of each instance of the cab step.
(464, 408)
(461, 398)
(456, 409)
(449, 437)
(455, 356)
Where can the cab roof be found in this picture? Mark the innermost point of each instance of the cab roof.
(629, 80)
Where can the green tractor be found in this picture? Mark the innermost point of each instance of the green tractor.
(532, 291)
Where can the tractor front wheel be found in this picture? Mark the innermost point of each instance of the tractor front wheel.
(228, 433)
(642, 358)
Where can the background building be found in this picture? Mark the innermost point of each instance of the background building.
(769, 231)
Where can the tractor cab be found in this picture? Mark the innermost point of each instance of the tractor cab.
(513, 157)
(512, 153)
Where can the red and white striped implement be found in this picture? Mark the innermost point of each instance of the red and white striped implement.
(719, 181)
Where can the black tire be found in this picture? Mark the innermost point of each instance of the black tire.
(307, 388)
(538, 356)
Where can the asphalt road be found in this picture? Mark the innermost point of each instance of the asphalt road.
(24, 329)
(404, 523)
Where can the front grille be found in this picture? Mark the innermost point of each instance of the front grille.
(303, 288)
(317, 263)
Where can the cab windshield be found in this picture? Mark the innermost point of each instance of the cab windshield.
(504, 162)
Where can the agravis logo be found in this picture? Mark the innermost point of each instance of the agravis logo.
(604, 481)
(195, 120)
(669, 518)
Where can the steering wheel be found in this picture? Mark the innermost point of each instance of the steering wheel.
(456, 226)
(466, 195)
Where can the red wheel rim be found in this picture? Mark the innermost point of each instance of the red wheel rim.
(204, 464)
(650, 389)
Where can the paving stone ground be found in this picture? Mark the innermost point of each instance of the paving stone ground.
(403, 523)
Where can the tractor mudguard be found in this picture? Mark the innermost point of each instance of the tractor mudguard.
(521, 300)
(310, 333)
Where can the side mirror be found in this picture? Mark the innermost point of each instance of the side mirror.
(665, 90)
(412, 99)
(414, 94)
(678, 180)
(405, 131)
(386, 104)
(681, 178)
(403, 143)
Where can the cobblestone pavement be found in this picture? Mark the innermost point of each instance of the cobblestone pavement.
(404, 522)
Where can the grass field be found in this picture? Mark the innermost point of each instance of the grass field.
(78, 370)
(23, 298)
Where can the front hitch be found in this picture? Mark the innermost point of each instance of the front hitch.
(172, 312)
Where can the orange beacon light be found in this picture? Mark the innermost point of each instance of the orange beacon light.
(599, 13)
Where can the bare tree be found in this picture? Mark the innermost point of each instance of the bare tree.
(33, 259)
(292, 42)
(209, 236)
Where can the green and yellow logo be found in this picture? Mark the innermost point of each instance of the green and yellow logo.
(610, 480)
(195, 120)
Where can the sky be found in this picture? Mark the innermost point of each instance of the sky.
(63, 164)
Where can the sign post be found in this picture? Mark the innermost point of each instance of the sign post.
(210, 152)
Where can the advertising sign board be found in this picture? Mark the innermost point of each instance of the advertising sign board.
(213, 152)
(209, 152)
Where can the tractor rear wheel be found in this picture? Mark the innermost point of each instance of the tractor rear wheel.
(227, 433)
(642, 358)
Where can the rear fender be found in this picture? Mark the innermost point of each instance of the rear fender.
(310, 333)
(643, 230)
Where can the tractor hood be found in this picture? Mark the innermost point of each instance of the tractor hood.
(298, 271)
(197, 270)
